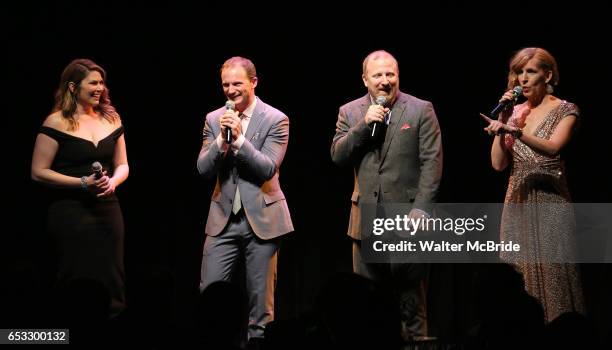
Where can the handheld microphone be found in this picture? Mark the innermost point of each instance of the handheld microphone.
(516, 92)
(230, 106)
(96, 168)
(380, 100)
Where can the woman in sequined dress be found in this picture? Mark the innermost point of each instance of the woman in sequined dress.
(537, 209)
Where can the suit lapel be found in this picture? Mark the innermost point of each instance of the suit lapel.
(256, 118)
(397, 118)
(365, 104)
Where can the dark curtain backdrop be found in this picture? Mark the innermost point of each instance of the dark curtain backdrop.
(163, 73)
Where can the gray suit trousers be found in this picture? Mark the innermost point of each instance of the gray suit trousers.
(221, 253)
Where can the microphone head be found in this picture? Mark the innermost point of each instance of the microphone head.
(96, 166)
(230, 105)
(517, 91)
(381, 100)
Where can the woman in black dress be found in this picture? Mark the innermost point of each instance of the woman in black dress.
(84, 217)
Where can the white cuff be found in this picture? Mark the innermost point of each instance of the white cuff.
(237, 144)
(220, 140)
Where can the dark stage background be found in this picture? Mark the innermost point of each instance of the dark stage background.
(163, 73)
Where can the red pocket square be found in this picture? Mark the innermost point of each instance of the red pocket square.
(405, 126)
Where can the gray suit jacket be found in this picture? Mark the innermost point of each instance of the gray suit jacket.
(254, 170)
(405, 166)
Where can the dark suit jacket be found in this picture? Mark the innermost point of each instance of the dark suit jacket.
(254, 170)
(404, 168)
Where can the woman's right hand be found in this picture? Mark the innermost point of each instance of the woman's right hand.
(97, 186)
(508, 96)
(505, 114)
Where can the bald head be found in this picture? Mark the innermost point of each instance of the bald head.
(381, 76)
(378, 55)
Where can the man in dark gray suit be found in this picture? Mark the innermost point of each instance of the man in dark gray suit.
(400, 163)
(248, 212)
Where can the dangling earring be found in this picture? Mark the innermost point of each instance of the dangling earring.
(549, 89)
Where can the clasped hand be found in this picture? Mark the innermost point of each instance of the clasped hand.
(102, 187)
(231, 120)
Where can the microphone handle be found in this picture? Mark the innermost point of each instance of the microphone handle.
(228, 135)
(500, 107)
(380, 103)
(228, 131)
(374, 128)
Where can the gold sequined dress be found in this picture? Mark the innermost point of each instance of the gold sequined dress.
(538, 215)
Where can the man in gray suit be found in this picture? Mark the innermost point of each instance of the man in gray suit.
(248, 212)
(401, 162)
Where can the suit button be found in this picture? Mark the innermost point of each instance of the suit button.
(379, 171)
(375, 194)
(231, 200)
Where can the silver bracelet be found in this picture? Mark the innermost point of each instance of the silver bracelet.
(84, 183)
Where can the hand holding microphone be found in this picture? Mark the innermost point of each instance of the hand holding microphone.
(507, 100)
(376, 113)
(104, 185)
(229, 106)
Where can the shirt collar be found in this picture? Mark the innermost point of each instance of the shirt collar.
(248, 112)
